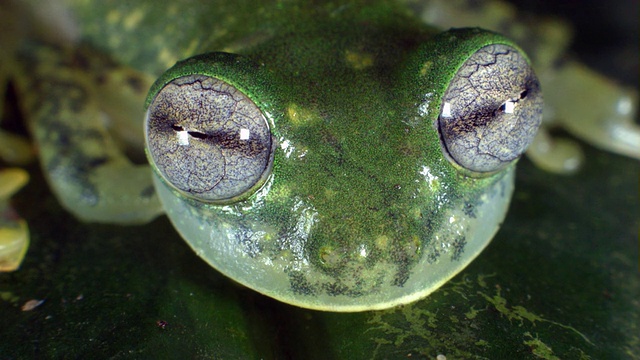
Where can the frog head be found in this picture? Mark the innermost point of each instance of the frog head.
(348, 167)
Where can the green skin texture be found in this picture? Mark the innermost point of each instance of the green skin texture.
(362, 209)
(348, 220)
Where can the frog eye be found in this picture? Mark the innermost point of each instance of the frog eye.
(208, 140)
(491, 110)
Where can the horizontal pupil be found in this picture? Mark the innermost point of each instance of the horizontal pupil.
(198, 135)
(524, 94)
(195, 134)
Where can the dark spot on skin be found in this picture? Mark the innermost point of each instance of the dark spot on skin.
(469, 210)
(137, 84)
(89, 193)
(502, 190)
(96, 162)
(338, 288)
(101, 79)
(49, 89)
(433, 256)
(404, 255)
(80, 60)
(74, 172)
(458, 248)
(402, 275)
(148, 192)
(299, 284)
(335, 289)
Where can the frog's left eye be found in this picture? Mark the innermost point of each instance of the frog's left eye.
(491, 110)
(208, 140)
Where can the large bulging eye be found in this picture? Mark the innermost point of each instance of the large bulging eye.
(208, 140)
(491, 110)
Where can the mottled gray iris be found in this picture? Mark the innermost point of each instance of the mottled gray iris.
(491, 110)
(208, 139)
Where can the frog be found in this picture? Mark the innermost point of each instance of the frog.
(340, 174)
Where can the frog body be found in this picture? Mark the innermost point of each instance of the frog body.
(360, 200)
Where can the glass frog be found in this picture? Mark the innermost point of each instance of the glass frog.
(335, 156)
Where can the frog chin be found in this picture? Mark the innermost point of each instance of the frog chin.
(291, 278)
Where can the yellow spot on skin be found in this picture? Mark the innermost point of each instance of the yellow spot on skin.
(416, 213)
(292, 112)
(382, 242)
(412, 247)
(425, 68)
(283, 192)
(113, 17)
(329, 256)
(300, 116)
(167, 57)
(193, 46)
(358, 60)
(172, 10)
(329, 194)
(133, 19)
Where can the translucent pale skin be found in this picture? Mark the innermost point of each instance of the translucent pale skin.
(95, 192)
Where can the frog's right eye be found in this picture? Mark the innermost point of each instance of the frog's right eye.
(208, 140)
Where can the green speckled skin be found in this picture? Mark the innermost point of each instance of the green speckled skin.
(362, 209)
